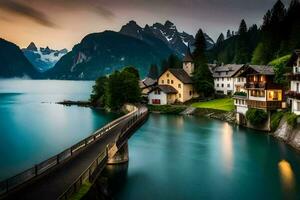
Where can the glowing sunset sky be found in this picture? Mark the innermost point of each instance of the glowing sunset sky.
(63, 23)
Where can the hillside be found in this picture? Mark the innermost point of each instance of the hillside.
(99, 54)
(13, 63)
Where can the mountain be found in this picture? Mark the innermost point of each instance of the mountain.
(168, 33)
(13, 63)
(43, 58)
(99, 54)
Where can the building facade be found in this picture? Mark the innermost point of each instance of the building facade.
(179, 80)
(261, 92)
(294, 77)
(225, 80)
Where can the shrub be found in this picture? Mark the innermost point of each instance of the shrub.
(291, 119)
(244, 94)
(256, 116)
(275, 120)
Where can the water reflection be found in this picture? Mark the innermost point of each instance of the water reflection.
(227, 147)
(287, 176)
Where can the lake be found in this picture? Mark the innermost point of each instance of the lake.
(178, 158)
(34, 128)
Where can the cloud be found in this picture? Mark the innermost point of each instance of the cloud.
(27, 11)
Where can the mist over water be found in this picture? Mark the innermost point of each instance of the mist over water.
(34, 128)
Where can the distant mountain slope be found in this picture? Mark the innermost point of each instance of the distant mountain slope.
(13, 63)
(43, 58)
(101, 53)
(168, 33)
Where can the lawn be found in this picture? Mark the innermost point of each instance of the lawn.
(218, 104)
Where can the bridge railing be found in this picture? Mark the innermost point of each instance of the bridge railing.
(88, 174)
(33, 172)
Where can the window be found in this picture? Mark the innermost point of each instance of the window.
(238, 80)
(168, 81)
(228, 85)
(223, 79)
(168, 74)
(190, 93)
(298, 105)
(297, 87)
(222, 85)
(228, 79)
(179, 85)
(172, 81)
(162, 81)
(226, 73)
(157, 92)
(217, 79)
(218, 85)
(179, 95)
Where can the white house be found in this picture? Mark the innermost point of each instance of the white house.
(162, 95)
(225, 80)
(294, 93)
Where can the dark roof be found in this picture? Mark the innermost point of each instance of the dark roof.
(294, 57)
(149, 81)
(263, 69)
(168, 89)
(258, 69)
(181, 75)
(188, 56)
(230, 70)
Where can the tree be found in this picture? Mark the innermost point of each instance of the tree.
(132, 70)
(242, 52)
(97, 96)
(171, 62)
(228, 35)
(153, 72)
(202, 77)
(220, 39)
(117, 89)
(242, 28)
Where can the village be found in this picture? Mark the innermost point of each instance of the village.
(247, 87)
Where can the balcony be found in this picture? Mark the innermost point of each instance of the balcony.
(262, 85)
(293, 76)
(293, 94)
(269, 105)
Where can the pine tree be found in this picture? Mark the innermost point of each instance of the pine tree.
(153, 72)
(243, 28)
(242, 55)
(228, 35)
(220, 39)
(202, 77)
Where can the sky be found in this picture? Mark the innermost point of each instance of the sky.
(63, 23)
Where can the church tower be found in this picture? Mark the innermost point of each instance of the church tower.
(188, 62)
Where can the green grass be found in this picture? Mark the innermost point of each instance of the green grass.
(280, 61)
(225, 104)
(167, 109)
(83, 190)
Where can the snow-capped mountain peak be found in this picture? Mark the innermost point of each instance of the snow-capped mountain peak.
(167, 32)
(43, 58)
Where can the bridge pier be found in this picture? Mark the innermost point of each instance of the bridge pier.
(120, 157)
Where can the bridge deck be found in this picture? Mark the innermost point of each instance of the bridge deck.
(54, 183)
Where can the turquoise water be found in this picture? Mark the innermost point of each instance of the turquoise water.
(178, 158)
(34, 128)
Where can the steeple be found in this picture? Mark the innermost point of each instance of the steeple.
(188, 55)
(188, 62)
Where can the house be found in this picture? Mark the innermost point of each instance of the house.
(146, 85)
(294, 77)
(261, 92)
(173, 79)
(225, 80)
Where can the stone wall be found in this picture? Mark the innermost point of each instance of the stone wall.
(288, 134)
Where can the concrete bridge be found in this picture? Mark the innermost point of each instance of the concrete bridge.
(62, 175)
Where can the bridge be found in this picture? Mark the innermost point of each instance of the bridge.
(62, 175)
